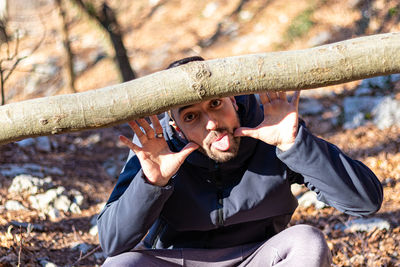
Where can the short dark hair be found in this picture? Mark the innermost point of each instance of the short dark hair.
(184, 61)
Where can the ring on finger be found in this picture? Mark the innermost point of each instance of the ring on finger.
(159, 135)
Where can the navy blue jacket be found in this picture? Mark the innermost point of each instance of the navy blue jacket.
(245, 200)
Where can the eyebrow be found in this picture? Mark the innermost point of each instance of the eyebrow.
(183, 108)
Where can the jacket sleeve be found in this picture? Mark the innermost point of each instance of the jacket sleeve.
(338, 180)
(133, 207)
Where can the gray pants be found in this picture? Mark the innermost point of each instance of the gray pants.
(299, 245)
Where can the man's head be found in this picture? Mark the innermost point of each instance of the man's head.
(210, 123)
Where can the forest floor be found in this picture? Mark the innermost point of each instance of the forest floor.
(84, 171)
(165, 35)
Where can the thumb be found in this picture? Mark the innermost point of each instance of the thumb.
(244, 131)
(185, 152)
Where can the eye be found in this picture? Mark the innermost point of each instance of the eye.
(215, 103)
(189, 117)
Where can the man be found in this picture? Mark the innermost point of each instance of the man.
(209, 185)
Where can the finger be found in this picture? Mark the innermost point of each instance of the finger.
(139, 133)
(129, 144)
(147, 128)
(282, 96)
(272, 96)
(185, 152)
(295, 98)
(244, 131)
(156, 124)
(264, 98)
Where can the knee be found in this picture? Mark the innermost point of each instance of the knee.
(125, 259)
(307, 234)
(310, 238)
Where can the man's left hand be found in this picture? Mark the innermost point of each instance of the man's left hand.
(279, 127)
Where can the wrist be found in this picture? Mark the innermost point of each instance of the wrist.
(160, 183)
(285, 147)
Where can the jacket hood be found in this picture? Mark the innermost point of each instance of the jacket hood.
(250, 115)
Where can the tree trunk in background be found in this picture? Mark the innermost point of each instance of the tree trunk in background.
(3, 21)
(197, 81)
(67, 46)
(111, 25)
(108, 20)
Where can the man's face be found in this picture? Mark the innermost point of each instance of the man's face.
(210, 124)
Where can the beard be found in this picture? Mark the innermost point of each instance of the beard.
(217, 155)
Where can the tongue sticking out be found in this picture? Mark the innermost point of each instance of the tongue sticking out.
(222, 144)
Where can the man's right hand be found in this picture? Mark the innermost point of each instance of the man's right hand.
(158, 162)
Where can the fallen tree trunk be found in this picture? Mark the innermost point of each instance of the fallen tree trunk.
(196, 81)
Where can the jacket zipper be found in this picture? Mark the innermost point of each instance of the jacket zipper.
(220, 221)
(220, 200)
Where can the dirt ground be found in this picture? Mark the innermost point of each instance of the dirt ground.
(156, 35)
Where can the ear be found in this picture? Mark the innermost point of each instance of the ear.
(232, 98)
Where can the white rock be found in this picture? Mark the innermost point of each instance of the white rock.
(26, 142)
(296, 189)
(336, 111)
(310, 198)
(89, 141)
(395, 77)
(356, 121)
(43, 201)
(387, 113)
(29, 184)
(12, 170)
(60, 190)
(53, 213)
(46, 263)
(310, 106)
(113, 167)
(83, 247)
(43, 144)
(94, 230)
(75, 209)
(363, 91)
(380, 82)
(354, 109)
(62, 203)
(364, 225)
(77, 196)
(14, 205)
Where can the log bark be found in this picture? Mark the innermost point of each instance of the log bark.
(331, 64)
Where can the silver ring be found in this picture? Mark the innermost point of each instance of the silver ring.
(159, 135)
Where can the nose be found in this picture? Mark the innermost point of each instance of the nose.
(211, 124)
